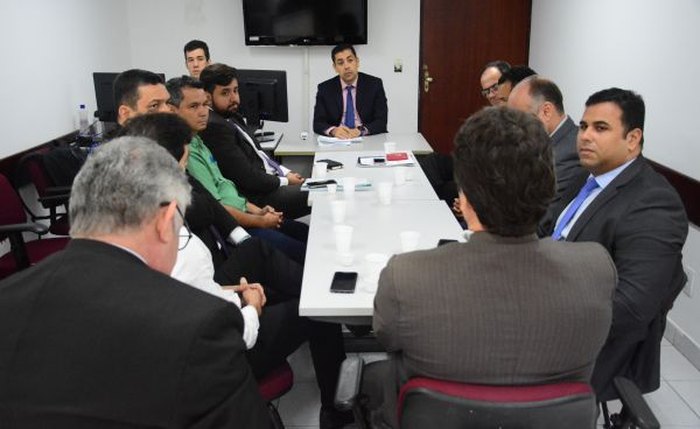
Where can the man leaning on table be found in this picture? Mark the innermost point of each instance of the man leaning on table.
(351, 104)
(504, 307)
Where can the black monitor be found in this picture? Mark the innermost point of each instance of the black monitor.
(263, 96)
(104, 95)
(307, 22)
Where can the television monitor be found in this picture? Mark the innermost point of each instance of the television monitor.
(263, 96)
(104, 95)
(305, 22)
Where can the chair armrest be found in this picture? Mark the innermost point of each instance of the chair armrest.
(54, 190)
(348, 383)
(36, 228)
(634, 408)
(56, 200)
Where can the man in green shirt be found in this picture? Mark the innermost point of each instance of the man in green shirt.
(189, 101)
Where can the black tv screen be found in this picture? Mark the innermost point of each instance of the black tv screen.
(305, 22)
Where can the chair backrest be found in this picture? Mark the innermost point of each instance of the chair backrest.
(425, 402)
(11, 209)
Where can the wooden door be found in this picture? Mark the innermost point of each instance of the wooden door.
(458, 37)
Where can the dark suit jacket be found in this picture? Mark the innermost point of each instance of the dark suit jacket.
(566, 163)
(370, 103)
(639, 218)
(93, 338)
(236, 158)
(497, 310)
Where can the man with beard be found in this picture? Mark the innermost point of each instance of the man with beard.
(239, 156)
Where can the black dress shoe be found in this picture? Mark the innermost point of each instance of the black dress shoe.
(330, 418)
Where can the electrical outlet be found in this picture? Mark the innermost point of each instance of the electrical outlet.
(689, 287)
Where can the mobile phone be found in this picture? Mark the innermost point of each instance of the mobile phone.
(444, 241)
(344, 282)
(321, 183)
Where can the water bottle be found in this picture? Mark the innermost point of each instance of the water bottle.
(83, 125)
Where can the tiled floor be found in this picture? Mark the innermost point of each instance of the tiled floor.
(676, 404)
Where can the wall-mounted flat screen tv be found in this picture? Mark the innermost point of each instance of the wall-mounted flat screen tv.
(305, 22)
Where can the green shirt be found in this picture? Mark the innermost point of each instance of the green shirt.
(202, 165)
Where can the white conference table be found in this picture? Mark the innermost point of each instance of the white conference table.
(376, 230)
(416, 187)
(414, 142)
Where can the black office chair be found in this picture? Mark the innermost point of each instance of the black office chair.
(425, 402)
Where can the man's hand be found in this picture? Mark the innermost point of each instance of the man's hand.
(252, 294)
(269, 209)
(294, 178)
(271, 220)
(455, 207)
(342, 132)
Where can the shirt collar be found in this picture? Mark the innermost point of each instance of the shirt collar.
(604, 179)
(344, 85)
(559, 126)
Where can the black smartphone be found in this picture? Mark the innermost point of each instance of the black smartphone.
(444, 241)
(321, 183)
(344, 282)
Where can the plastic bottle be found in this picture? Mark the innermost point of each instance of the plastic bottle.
(83, 125)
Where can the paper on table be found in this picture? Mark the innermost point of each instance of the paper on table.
(325, 140)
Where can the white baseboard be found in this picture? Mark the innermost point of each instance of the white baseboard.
(683, 343)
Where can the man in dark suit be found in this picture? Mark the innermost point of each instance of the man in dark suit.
(638, 217)
(100, 336)
(505, 307)
(542, 98)
(350, 104)
(239, 156)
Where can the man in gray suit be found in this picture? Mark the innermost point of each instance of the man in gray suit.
(504, 307)
(542, 98)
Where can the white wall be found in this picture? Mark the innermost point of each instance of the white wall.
(160, 28)
(645, 45)
(51, 49)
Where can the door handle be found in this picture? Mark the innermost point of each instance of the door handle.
(427, 79)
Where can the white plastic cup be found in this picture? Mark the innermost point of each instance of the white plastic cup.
(389, 147)
(338, 210)
(409, 240)
(374, 264)
(399, 176)
(384, 190)
(343, 238)
(349, 187)
(331, 188)
(320, 170)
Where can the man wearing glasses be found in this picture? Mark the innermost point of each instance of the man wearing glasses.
(100, 332)
(490, 75)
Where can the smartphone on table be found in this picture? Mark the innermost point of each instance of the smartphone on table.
(343, 282)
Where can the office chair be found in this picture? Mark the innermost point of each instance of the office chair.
(51, 197)
(425, 402)
(13, 222)
(275, 384)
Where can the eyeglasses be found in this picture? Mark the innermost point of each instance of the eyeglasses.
(486, 91)
(187, 236)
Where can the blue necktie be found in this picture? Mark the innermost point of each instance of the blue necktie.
(590, 185)
(349, 109)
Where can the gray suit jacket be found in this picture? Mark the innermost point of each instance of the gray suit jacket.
(497, 310)
(566, 163)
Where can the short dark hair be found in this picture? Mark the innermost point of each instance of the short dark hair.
(166, 129)
(503, 165)
(545, 90)
(631, 104)
(217, 74)
(516, 74)
(502, 66)
(340, 48)
(175, 85)
(127, 84)
(196, 44)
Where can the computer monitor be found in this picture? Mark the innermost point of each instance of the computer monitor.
(104, 95)
(263, 96)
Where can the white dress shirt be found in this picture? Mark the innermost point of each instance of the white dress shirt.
(265, 159)
(194, 266)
